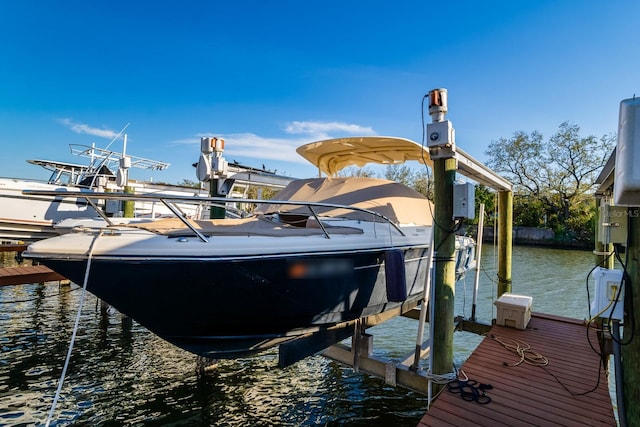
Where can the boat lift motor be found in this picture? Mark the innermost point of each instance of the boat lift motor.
(440, 133)
(608, 299)
(212, 165)
(122, 176)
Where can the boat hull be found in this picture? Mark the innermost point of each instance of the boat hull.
(216, 308)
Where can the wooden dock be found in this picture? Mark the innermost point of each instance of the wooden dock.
(528, 395)
(21, 275)
(28, 274)
(13, 247)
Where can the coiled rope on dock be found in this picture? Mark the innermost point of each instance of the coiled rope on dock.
(523, 350)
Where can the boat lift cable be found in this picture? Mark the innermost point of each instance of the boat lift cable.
(75, 331)
(117, 136)
(628, 288)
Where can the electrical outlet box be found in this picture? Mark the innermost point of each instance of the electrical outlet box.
(608, 298)
(440, 134)
(612, 227)
(464, 200)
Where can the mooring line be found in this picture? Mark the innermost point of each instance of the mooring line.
(73, 334)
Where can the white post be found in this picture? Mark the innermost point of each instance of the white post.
(426, 295)
(478, 258)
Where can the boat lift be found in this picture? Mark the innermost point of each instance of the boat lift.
(407, 372)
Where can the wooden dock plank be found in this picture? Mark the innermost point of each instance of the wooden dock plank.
(28, 274)
(532, 384)
(13, 247)
(528, 394)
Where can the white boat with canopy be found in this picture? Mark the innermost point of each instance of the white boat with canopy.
(326, 253)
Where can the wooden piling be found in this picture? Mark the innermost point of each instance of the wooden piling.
(216, 212)
(505, 219)
(128, 206)
(444, 172)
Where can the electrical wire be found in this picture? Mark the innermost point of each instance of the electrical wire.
(588, 323)
(628, 295)
(489, 277)
(589, 275)
(529, 356)
(595, 316)
(600, 351)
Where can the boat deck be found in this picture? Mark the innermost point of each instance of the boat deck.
(526, 394)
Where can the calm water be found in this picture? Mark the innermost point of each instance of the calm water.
(121, 374)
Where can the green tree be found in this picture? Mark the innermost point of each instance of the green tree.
(189, 183)
(423, 183)
(486, 196)
(553, 180)
(261, 192)
(357, 172)
(400, 173)
(529, 211)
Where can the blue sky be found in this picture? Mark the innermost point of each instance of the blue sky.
(271, 75)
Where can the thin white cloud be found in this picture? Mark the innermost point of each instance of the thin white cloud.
(250, 145)
(83, 128)
(324, 129)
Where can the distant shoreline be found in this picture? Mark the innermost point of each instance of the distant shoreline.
(533, 236)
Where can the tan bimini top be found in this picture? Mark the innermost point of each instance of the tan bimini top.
(399, 203)
(332, 155)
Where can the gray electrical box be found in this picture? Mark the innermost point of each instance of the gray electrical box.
(464, 200)
(612, 227)
(113, 207)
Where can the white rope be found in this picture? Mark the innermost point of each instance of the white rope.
(442, 378)
(73, 335)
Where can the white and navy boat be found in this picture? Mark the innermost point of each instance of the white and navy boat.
(328, 252)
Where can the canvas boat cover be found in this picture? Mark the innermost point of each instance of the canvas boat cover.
(399, 203)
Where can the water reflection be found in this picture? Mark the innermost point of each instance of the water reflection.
(120, 374)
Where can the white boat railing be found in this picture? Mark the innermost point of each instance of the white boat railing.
(171, 202)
